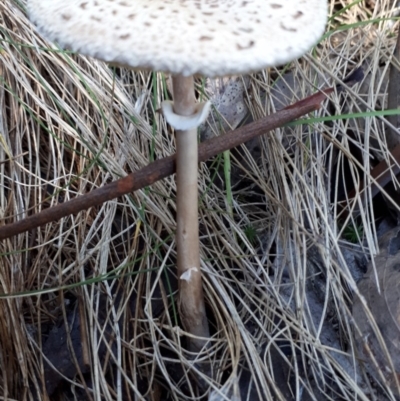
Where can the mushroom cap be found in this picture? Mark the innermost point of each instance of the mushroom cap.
(187, 37)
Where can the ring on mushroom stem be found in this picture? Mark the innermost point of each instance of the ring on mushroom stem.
(204, 38)
(183, 123)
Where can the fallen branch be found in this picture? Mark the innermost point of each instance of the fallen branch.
(164, 167)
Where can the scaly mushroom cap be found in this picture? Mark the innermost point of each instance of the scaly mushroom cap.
(207, 37)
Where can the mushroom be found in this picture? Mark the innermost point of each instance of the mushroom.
(185, 38)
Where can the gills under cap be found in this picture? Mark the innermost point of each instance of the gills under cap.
(207, 37)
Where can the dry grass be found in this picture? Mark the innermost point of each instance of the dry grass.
(69, 124)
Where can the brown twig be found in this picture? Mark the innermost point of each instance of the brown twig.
(164, 167)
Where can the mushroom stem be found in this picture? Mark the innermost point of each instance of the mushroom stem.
(191, 299)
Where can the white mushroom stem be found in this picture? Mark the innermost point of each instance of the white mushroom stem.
(191, 302)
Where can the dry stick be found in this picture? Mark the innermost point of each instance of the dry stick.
(165, 167)
(191, 299)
